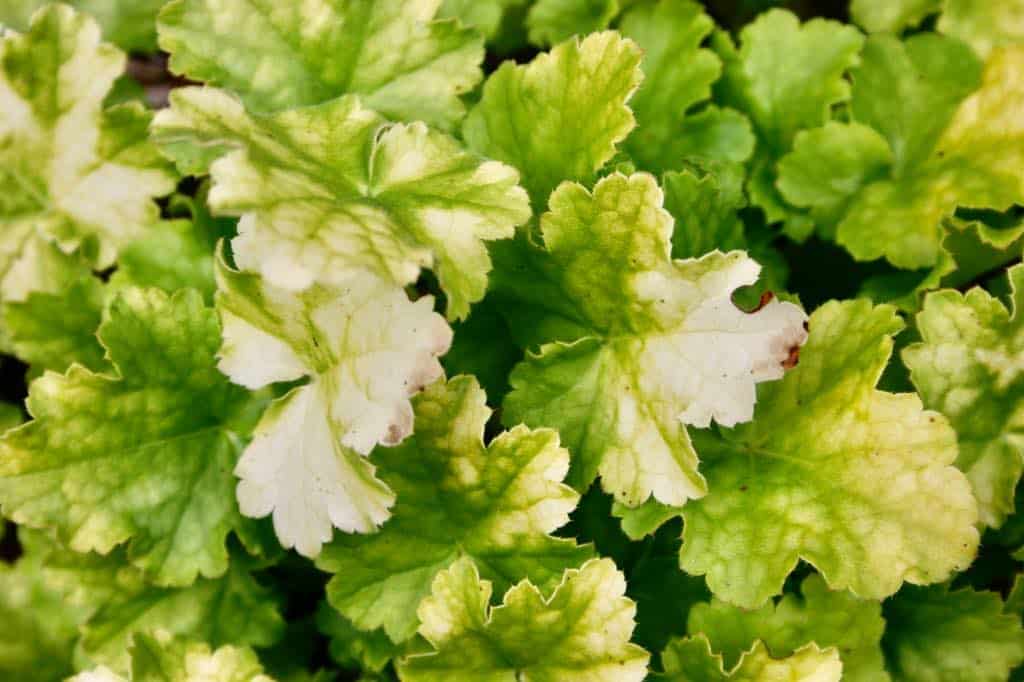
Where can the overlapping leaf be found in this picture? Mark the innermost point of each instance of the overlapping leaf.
(232, 609)
(935, 633)
(129, 24)
(786, 77)
(365, 349)
(969, 368)
(643, 344)
(144, 453)
(391, 53)
(885, 183)
(818, 616)
(552, 21)
(70, 170)
(331, 192)
(581, 632)
(456, 497)
(161, 658)
(691, 660)
(982, 25)
(560, 116)
(858, 482)
(678, 75)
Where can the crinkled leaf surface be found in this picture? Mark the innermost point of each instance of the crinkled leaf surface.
(159, 658)
(678, 75)
(934, 633)
(580, 633)
(817, 615)
(496, 504)
(330, 192)
(144, 454)
(858, 482)
(645, 344)
(233, 609)
(552, 21)
(68, 168)
(277, 56)
(969, 367)
(560, 116)
(365, 348)
(691, 660)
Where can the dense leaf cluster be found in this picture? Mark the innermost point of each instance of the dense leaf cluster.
(511, 340)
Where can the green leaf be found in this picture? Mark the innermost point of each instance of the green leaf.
(490, 17)
(351, 647)
(365, 349)
(691, 660)
(998, 230)
(552, 21)
(144, 454)
(86, 581)
(856, 481)
(968, 368)
(786, 77)
(389, 52)
(496, 504)
(985, 26)
(891, 16)
(704, 204)
(937, 634)
(678, 75)
(946, 151)
(176, 254)
(55, 323)
(612, 384)
(818, 615)
(160, 658)
(581, 632)
(129, 24)
(330, 192)
(233, 609)
(560, 116)
(829, 166)
(69, 170)
(37, 627)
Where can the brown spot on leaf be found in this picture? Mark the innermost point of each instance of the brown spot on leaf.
(394, 435)
(793, 358)
(765, 299)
